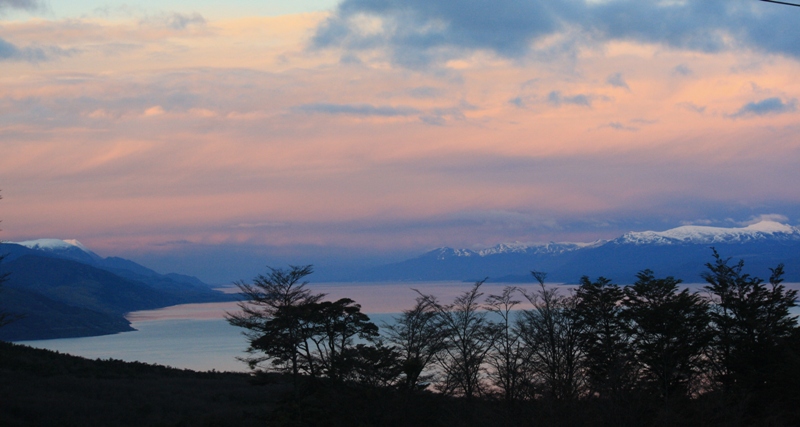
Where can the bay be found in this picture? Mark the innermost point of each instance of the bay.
(197, 336)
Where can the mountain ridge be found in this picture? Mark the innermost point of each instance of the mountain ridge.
(62, 289)
(74, 250)
(681, 252)
(693, 234)
(708, 235)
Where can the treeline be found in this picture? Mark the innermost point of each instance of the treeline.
(636, 354)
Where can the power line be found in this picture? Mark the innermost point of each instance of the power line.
(781, 2)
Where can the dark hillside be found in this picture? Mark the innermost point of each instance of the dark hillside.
(44, 318)
(62, 298)
(81, 285)
(44, 388)
(182, 286)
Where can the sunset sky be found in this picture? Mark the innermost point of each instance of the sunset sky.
(214, 138)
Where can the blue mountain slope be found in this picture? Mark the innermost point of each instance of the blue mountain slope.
(64, 290)
(75, 251)
(681, 252)
(45, 318)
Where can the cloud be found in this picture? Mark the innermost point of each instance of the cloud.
(616, 80)
(517, 102)
(767, 217)
(631, 126)
(350, 59)
(682, 70)
(230, 153)
(180, 242)
(176, 21)
(693, 107)
(259, 225)
(358, 110)
(433, 116)
(698, 222)
(424, 92)
(11, 52)
(418, 33)
(440, 116)
(557, 98)
(8, 50)
(504, 218)
(179, 21)
(620, 126)
(767, 106)
(155, 110)
(30, 5)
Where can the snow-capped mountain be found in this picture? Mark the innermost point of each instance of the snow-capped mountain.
(444, 253)
(52, 244)
(70, 249)
(512, 248)
(536, 248)
(681, 252)
(693, 234)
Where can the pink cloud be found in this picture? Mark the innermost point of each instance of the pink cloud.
(157, 134)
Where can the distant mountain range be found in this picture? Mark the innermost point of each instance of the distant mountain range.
(65, 290)
(680, 252)
(61, 289)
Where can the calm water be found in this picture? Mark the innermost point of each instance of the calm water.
(196, 336)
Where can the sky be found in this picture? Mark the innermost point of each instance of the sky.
(215, 138)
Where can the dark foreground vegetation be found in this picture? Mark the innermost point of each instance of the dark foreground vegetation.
(652, 353)
(45, 388)
(649, 354)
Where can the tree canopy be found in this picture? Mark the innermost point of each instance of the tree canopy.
(642, 351)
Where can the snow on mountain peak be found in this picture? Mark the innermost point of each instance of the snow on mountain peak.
(502, 248)
(705, 234)
(532, 248)
(687, 234)
(771, 227)
(513, 248)
(53, 244)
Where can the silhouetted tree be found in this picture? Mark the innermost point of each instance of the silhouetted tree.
(469, 338)
(507, 357)
(604, 337)
(285, 341)
(294, 331)
(274, 316)
(669, 333)
(372, 365)
(751, 323)
(551, 337)
(419, 337)
(335, 325)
